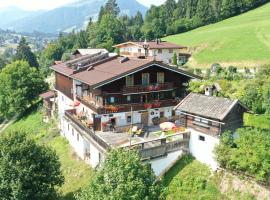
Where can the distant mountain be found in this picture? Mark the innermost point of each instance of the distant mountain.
(65, 18)
(11, 14)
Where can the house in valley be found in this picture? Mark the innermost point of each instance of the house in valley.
(207, 117)
(49, 104)
(109, 102)
(159, 49)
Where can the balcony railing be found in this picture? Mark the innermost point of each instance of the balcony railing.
(147, 89)
(70, 114)
(150, 149)
(126, 107)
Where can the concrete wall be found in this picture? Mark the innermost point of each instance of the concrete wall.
(203, 150)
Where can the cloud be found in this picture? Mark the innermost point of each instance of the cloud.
(50, 4)
(34, 4)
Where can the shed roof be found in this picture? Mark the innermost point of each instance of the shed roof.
(207, 106)
(47, 95)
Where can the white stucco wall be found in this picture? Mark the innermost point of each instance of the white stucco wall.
(121, 118)
(161, 165)
(81, 146)
(203, 150)
(64, 103)
(94, 156)
(166, 56)
(132, 49)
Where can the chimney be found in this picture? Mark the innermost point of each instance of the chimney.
(209, 91)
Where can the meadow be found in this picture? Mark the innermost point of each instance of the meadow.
(242, 41)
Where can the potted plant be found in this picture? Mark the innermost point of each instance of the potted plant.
(147, 105)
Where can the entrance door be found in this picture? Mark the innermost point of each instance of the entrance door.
(144, 117)
(97, 123)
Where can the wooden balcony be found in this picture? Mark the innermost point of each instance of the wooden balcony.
(147, 89)
(126, 107)
(138, 106)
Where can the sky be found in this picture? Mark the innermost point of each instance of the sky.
(50, 4)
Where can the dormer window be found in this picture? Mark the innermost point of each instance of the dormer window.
(129, 81)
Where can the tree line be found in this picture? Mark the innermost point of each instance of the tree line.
(176, 17)
(172, 17)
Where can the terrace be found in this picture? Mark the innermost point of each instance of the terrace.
(150, 143)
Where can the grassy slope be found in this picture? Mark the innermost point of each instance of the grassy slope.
(243, 40)
(77, 174)
(190, 179)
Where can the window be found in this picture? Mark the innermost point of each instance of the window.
(160, 51)
(72, 132)
(78, 137)
(63, 98)
(202, 138)
(112, 99)
(161, 114)
(160, 77)
(129, 98)
(128, 119)
(145, 79)
(68, 127)
(197, 119)
(139, 50)
(170, 50)
(129, 81)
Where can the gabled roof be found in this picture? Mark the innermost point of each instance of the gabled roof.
(207, 106)
(114, 69)
(153, 45)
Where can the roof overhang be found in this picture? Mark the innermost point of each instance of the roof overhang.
(162, 65)
(127, 43)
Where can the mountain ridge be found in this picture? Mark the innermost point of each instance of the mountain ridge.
(68, 17)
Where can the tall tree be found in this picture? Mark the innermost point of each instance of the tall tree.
(111, 8)
(27, 170)
(123, 176)
(20, 86)
(24, 53)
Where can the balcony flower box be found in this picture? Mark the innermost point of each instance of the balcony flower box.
(147, 105)
(156, 105)
(151, 88)
(112, 109)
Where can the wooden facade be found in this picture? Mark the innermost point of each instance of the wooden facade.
(118, 94)
(64, 84)
(213, 127)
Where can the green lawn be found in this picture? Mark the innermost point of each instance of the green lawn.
(190, 179)
(77, 174)
(243, 40)
(257, 121)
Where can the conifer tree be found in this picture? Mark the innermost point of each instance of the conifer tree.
(24, 53)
